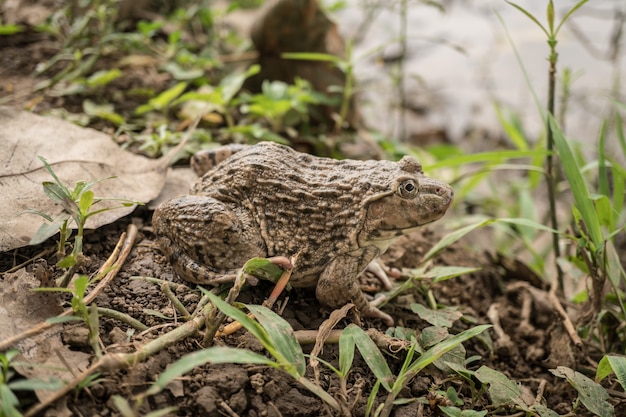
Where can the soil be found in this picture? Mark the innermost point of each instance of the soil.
(531, 339)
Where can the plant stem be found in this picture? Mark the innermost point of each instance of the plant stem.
(550, 169)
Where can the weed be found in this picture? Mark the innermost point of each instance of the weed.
(9, 401)
(77, 204)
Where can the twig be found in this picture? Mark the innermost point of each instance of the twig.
(124, 318)
(116, 361)
(165, 288)
(567, 322)
(23, 264)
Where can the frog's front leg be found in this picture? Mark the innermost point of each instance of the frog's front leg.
(338, 285)
(205, 240)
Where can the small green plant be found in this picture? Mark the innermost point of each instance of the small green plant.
(283, 105)
(9, 402)
(83, 312)
(551, 33)
(77, 204)
(345, 65)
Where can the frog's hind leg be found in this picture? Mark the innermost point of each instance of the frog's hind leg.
(204, 240)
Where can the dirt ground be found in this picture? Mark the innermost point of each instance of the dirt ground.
(531, 340)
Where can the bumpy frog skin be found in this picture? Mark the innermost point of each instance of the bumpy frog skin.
(269, 200)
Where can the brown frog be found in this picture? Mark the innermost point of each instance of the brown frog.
(270, 200)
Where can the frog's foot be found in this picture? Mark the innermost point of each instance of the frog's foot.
(377, 268)
(338, 285)
(373, 311)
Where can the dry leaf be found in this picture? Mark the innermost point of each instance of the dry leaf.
(75, 154)
(22, 309)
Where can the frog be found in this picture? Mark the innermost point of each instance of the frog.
(335, 217)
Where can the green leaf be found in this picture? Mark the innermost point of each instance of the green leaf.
(123, 406)
(312, 56)
(231, 84)
(282, 338)
(610, 363)
(103, 77)
(577, 185)
(163, 100)
(544, 411)
(62, 319)
(217, 354)
(502, 390)
(484, 157)
(8, 402)
(513, 131)
(530, 16)
(47, 230)
(54, 175)
(67, 262)
(457, 412)
(56, 193)
(85, 203)
(567, 16)
(11, 29)
(103, 111)
(437, 351)
(444, 317)
(550, 16)
(450, 238)
(371, 354)
(36, 384)
(346, 351)
(251, 325)
(591, 394)
(263, 268)
(443, 273)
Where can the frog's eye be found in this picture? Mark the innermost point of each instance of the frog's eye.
(408, 189)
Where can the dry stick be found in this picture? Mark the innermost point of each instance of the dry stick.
(567, 322)
(128, 239)
(116, 361)
(23, 264)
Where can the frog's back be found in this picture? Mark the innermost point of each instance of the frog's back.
(302, 203)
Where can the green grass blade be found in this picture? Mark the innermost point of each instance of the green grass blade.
(530, 16)
(603, 177)
(312, 56)
(282, 339)
(620, 133)
(346, 351)
(484, 157)
(513, 130)
(520, 62)
(615, 364)
(371, 354)
(577, 184)
(216, 354)
(435, 353)
(251, 325)
(567, 16)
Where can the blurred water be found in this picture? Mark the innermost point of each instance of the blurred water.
(459, 62)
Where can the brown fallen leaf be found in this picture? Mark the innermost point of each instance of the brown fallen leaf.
(75, 154)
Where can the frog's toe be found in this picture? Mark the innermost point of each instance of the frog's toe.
(377, 268)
